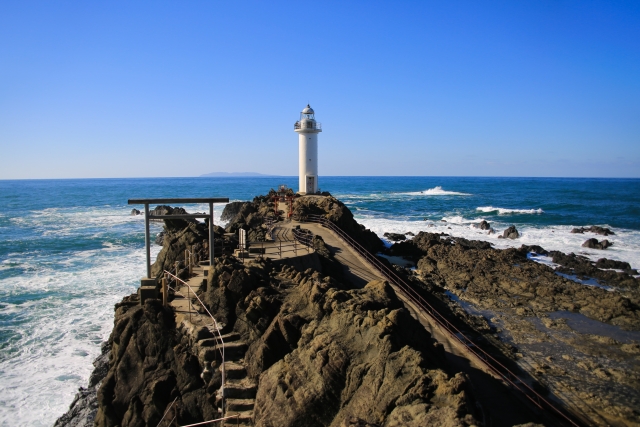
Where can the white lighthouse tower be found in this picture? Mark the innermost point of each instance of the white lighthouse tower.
(308, 130)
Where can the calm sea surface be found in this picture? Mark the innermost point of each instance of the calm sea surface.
(69, 250)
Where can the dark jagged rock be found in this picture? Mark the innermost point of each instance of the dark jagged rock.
(395, 237)
(471, 244)
(593, 229)
(510, 233)
(148, 369)
(160, 238)
(484, 225)
(135, 212)
(595, 244)
(534, 248)
(175, 242)
(610, 263)
(250, 216)
(335, 211)
(231, 210)
(294, 320)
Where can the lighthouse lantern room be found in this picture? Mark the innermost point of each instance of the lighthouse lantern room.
(308, 128)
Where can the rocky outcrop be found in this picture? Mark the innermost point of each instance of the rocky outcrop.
(593, 229)
(251, 216)
(395, 237)
(610, 263)
(160, 238)
(135, 212)
(149, 368)
(231, 210)
(583, 267)
(175, 242)
(335, 211)
(356, 354)
(483, 225)
(507, 280)
(322, 354)
(595, 244)
(510, 233)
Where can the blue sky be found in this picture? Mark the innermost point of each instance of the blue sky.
(128, 89)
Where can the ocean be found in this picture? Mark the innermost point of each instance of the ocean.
(69, 250)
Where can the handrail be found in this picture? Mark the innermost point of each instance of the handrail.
(215, 324)
(166, 412)
(236, 416)
(499, 369)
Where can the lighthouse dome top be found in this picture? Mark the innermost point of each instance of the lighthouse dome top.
(307, 110)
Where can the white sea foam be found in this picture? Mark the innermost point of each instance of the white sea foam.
(436, 191)
(505, 211)
(59, 309)
(559, 237)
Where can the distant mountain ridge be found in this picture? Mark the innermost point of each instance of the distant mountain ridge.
(235, 174)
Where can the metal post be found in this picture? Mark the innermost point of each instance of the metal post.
(147, 239)
(211, 243)
(165, 293)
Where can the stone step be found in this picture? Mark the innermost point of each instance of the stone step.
(240, 389)
(240, 405)
(210, 340)
(233, 351)
(244, 418)
(234, 371)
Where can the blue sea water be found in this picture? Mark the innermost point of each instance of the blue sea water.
(69, 250)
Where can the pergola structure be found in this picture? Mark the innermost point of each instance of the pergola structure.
(147, 217)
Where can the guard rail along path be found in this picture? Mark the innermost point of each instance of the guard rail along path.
(498, 369)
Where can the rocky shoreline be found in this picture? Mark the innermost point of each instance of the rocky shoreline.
(323, 352)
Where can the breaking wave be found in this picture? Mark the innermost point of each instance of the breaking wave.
(436, 191)
(505, 211)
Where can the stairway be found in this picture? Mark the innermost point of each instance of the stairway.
(239, 390)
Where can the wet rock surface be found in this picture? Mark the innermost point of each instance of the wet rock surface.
(595, 244)
(593, 229)
(395, 237)
(580, 342)
(510, 233)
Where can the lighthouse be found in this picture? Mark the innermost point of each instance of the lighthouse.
(308, 130)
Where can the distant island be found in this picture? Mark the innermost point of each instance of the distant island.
(235, 174)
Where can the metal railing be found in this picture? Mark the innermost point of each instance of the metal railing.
(236, 417)
(493, 365)
(308, 125)
(214, 326)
